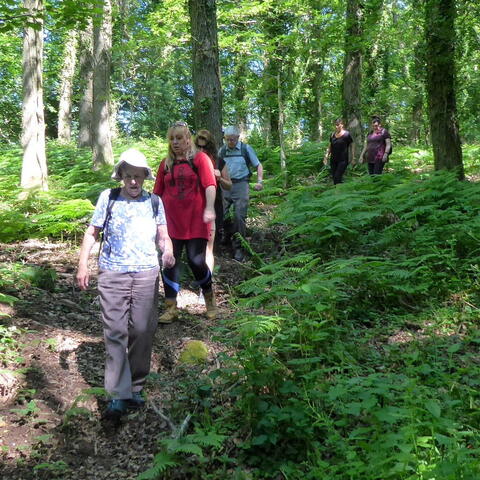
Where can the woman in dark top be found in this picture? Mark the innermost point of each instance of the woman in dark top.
(377, 147)
(340, 150)
(205, 142)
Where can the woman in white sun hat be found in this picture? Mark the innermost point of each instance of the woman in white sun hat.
(133, 225)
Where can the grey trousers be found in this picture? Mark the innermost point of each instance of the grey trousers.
(129, 313)
(238, 196)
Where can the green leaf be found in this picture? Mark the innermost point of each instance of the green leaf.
(433, 407)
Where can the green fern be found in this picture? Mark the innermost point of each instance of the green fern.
(162, 462)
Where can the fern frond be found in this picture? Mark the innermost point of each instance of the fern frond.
(180, 445)
(209, 439)
(162, 462)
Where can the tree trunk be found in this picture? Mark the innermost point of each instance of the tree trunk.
(102, 51)
(240, 96)
(86, 82)
(415, 133)
(34, 166)
(207, 110)
(271, 100)
(66, 87)
(440, 38)
(281, 124)
(314, 106)
(352, 74)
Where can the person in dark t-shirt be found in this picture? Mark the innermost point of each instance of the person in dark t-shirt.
(205, 142)
(340, 151)
(377, 147)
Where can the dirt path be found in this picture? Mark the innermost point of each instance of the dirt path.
(50, 425)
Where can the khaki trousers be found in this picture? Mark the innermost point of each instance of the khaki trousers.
(129, 304)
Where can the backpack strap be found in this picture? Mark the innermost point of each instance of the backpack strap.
(112, 197)
(222, 152)
(246, 156)
(243, 153)
(155, 199)
(189, 162)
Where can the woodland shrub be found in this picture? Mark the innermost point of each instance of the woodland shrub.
(74, 187)
(356, 349)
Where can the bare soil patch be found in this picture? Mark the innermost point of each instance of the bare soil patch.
(50, 424)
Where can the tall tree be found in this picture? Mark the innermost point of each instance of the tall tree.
(440, 39)
(86, 87)
(418, 95)
(352, 75)
(34, 166)
(66, 88)
(102, 52)
(207, 99)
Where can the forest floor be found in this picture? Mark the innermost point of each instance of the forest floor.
(50, 428)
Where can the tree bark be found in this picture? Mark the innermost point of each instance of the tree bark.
(102, 52)
(34, 165)
(352, 74)
(85, 109)
(314, 105)
(418, 74)
(440, 38)
(207, 110)
(240, 94)
(281, 124)
(66, 88)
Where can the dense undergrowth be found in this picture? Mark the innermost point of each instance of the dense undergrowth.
(356, 339)
(357, 345)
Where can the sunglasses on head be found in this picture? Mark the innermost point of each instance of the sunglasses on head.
(179, 124)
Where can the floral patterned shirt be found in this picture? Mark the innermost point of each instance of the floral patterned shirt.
(129, 244)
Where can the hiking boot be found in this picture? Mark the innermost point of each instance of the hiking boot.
(238, 255)
(171, 311)
(115, 409)
(211, 305)
(137, 401)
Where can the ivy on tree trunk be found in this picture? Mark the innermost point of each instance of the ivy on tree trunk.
(86, 87)
(440, 39)
(102, 52)
(205, 69)
(352, 73)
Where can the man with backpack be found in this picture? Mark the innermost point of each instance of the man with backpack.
(238, 157)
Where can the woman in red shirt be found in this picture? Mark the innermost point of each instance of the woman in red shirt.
(186, 184)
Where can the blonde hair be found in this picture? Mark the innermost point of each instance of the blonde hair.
(170, 158)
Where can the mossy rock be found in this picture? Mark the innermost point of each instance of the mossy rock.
(195, 352)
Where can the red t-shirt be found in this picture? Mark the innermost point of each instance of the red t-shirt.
(183, 196)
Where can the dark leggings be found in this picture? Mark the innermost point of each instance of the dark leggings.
(219, 209)
(375, 168)
(338, 169)
(196, 248)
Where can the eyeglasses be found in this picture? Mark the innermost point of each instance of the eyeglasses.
(179, 124)
(201, 137)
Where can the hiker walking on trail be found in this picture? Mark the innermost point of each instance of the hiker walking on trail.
(377, 149)
(186, 184)
(340, 151)
(239, 157)
(133, 224)
(205, 142)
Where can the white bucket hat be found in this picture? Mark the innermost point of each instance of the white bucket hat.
(134, 158)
